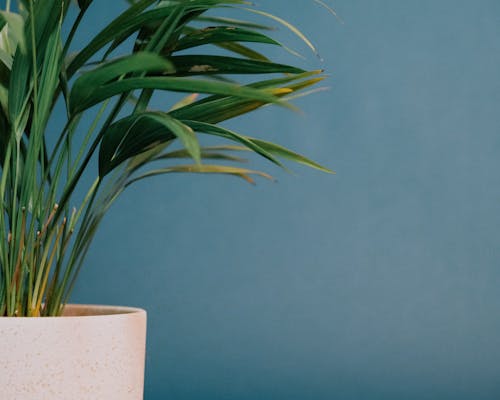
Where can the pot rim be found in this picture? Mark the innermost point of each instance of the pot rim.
(87, 311)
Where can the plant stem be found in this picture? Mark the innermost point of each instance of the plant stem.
(72, 33)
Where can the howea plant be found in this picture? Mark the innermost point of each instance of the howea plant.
(109, 83)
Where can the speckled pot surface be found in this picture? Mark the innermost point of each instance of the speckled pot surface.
(90, 353)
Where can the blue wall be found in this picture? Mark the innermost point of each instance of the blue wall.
(381, 282)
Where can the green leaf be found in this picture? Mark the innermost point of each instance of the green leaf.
(242, 50)
(49, 79)
(86, 86)
(211, 152)
(4, 136)
(182, 131)
(283, 152)
(204, 169)
(214, 109)
(235, 47)
(42, 242)
(219, 131)
(205, 64)
(153, 37)
(84, 4)
(87, 97)
(185, 101)
(6, 60)
(138, 133)
(47, 16)
(221, 34)
(234, 22)
(266, 149)
(134, 19)
(18, 89)
(288, 25)
(15, 23)
(124, 22)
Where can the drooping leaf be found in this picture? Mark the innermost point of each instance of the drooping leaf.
(214, 109)
(204, 169)
(234, 22)
(79, 102)
(137, 133)
(204, 64)
(219, 131)
(266, 149)
(221, 34)
(209, 152)
(91, 83)
(234, 47)
(280, 151)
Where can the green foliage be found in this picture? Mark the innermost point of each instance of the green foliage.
(43, 241)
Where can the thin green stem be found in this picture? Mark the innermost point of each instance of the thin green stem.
(73, 181)
(72, 33)
(88, 136)
(4, 235)
(87, 205)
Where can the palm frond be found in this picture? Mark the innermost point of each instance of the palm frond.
(43, 241)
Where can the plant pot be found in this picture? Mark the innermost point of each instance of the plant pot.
(90, 353)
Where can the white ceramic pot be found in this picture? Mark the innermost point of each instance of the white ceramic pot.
(90, 353)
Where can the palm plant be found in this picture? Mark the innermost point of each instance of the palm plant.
(43, 239)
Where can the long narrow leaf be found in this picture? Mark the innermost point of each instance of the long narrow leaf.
(221, 34)
(136, 134)
(216, 130)
(79, 102)
(203, 64)
(204, 169)
(92, 81)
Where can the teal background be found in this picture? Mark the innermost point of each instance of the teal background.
(381, 282)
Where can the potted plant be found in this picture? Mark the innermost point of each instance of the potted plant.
(102, 92)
